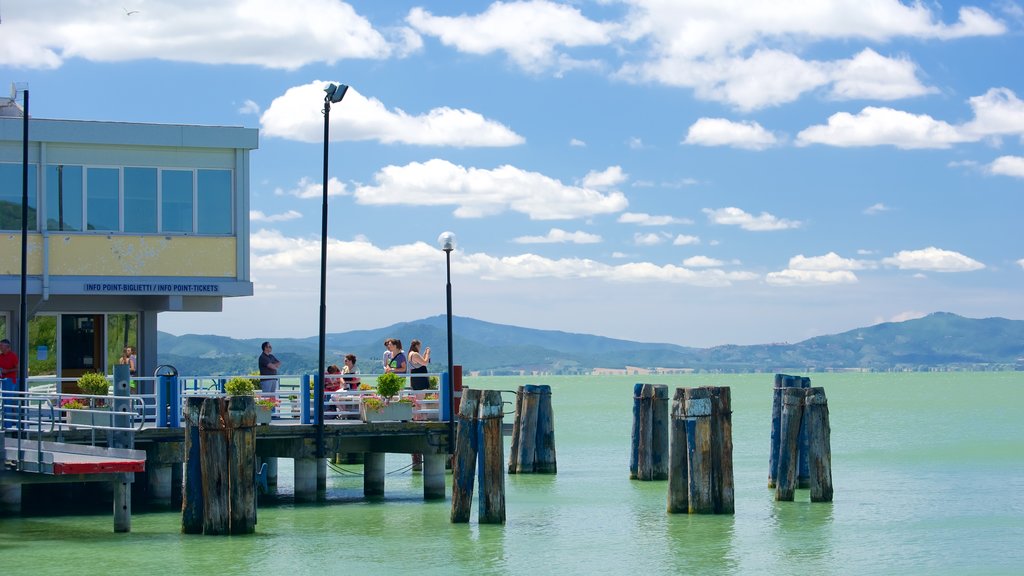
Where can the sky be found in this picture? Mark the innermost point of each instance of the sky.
(698, 172)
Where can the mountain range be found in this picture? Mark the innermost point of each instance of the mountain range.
(939, 341)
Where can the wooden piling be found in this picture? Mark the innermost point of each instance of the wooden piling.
(491, 459)
(546, 461)
(634, 446)
(721, 448)
(192, 488)
(819, 444)
(227, 442)
(697, 407)
(464, 464)
(789, 431)
(678, 470)
(652, 433)
(533, 432)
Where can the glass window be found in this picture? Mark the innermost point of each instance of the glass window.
(10, 196)
(102, 199)
(140, 200)
(214, 197)
(63, 197)
(176, 201)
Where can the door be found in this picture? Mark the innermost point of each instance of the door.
(81, 347)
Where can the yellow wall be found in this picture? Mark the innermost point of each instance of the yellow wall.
(122, 255)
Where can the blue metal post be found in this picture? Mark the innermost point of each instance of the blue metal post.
(304, 400)
(446, 397)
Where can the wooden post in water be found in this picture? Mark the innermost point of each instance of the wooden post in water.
(546, 461)
(227, 441)
(533, 432)
(464, 461)
(192, 488)
(491, 459)
(652, 433)
(721, 448)
(819, 444)
(242, 461)
(634, 446)
(803, 470)
(678, 466)
(697, 406)
(792, 414)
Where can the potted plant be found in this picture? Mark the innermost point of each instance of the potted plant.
(265, 406)
(240, 386)
(383, 405)
(92, 384)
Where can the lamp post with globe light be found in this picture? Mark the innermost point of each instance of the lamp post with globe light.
(447, 242)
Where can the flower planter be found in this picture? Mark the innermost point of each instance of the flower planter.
(263, 415)
(394, 411)
(96, 417)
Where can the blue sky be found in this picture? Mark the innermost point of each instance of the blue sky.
(699, 172)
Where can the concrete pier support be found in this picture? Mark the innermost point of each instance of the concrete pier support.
(305, 479)
(123, 503)
(373, 474)
(433, 476)
(10, 499)
(271, 471)
(159, 481)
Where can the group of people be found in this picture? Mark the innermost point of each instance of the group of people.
(395, 360)
(344, 377)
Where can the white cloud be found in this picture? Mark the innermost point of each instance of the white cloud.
(702, 262)
(996, 112)
(635, 143)
(932, 259)
(611, 176)
(283, 35)
(733, 216)
(901, 317)
(531, 33)
(883, 126)
(558, 236)
(306, 188)
(1007, 166)
(650, 238)
(744, 54)
(577, 143)
(685, 240)
(876, 208)
(249, 107)
(1020, 262)
(297, 115)
(830, 261)
(869, 75)
(259, 216)
(722, 132)
(478, 192)
(643, 219)
(792, 277)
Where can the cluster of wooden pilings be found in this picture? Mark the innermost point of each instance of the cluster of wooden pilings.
(801, 454)
(479, 451)
(696, 458)
(533, 432)
(219, 493)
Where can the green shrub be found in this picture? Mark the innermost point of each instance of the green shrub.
(239, 386)
(389, 384)
(93, 384)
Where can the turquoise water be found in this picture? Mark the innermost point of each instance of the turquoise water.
(928, 472)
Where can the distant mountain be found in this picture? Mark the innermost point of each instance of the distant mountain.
(937, 341)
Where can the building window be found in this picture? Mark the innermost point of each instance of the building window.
(102, 204)
(214, 198)
(140, 200)
(176, 201)
(63, 197)
(10, 196)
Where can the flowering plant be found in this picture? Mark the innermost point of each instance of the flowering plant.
(72, 404)
(268, 402)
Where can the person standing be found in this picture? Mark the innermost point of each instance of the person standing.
(268, 367)
(8, 361)
(128, 358)
(386, 358)
(418, 364)
(396, 363)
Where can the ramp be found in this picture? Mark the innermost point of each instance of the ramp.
(58, 458)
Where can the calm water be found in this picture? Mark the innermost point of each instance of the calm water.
(928, 472)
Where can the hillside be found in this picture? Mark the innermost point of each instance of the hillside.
(937, 341)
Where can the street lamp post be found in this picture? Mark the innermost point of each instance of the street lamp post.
(447, 242)
(334, 94)
(23, 323)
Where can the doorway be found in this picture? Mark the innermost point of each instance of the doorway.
(81, 346)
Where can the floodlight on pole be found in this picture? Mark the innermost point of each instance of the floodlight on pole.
(333, 94)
